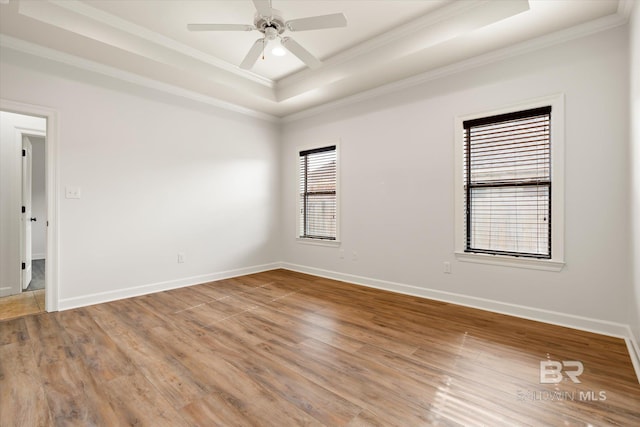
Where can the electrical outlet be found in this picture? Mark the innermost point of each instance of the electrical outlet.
(181, 257)
(447, 267)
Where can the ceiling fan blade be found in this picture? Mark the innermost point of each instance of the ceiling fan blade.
(253, 55)
(303, 54)
(334, 20)
(220, 27)
(263, 7)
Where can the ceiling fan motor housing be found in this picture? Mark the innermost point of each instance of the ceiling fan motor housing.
(271, 26)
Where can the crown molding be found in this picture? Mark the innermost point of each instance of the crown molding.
(130, 28)
(616, 19)
(429, 19)
(624, 8)
(22, 46)
(406, 31)
(578, 31)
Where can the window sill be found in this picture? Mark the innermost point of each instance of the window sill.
(507, 261)
(319, 242)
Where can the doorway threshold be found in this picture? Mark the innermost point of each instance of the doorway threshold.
(22, 304)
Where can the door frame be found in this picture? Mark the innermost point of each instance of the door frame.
(52, 189)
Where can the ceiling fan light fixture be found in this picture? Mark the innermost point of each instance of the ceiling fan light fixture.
(270, 23)
(278, 50)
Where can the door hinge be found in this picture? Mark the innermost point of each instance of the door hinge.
(24, 266)
(24, 153)
(24, 209)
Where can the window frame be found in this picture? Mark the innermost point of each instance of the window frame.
(315, 240)
(556, 262)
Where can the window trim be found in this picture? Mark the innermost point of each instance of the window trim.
(311, 240)
(556, 263)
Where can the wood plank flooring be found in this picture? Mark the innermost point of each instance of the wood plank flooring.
(22, 304)
(287, 349)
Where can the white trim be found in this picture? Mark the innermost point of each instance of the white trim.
(102, 297)
(581, 30)
(557, 193)
(52, 156)
(624, 9)
(116, 73)
(157, 39)
(507, 261)
(440, 16)
(318, 242)
(634, 351)
(310, 241)
(598, 326)
(31, 132)
(528, 46)
(38, 256)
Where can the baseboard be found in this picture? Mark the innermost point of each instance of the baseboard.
(36, 257)
(604, 327)
(634, 351)
(102, 297)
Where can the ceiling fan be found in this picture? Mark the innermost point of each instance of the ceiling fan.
(270, 23)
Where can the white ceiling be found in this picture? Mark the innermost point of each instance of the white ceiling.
(385, 41)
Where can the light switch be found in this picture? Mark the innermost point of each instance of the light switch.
(72, 192)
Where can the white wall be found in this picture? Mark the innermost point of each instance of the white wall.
(38, 199)
(158, 175)
(10, 194)
(397, 190)
(634, 50)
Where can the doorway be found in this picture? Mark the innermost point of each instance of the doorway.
(27, 213)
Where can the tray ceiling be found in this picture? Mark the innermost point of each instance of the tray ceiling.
(385, 41)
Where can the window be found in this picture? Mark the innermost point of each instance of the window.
(507, 173)
(317, 194)
(509, 201)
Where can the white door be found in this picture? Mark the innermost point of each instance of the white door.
(26, 215)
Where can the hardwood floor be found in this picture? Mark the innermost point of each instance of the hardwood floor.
(281, 348)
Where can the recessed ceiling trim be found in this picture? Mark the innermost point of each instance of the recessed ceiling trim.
(89, 22)
(426, 33)
(25, 47)
(142, 32)
(77, 23)
(625, 7)
(390, 36)
(578, 31)
(439, 16)
(108, 38)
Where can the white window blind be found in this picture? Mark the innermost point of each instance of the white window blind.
(317, 185)
(507, 175)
